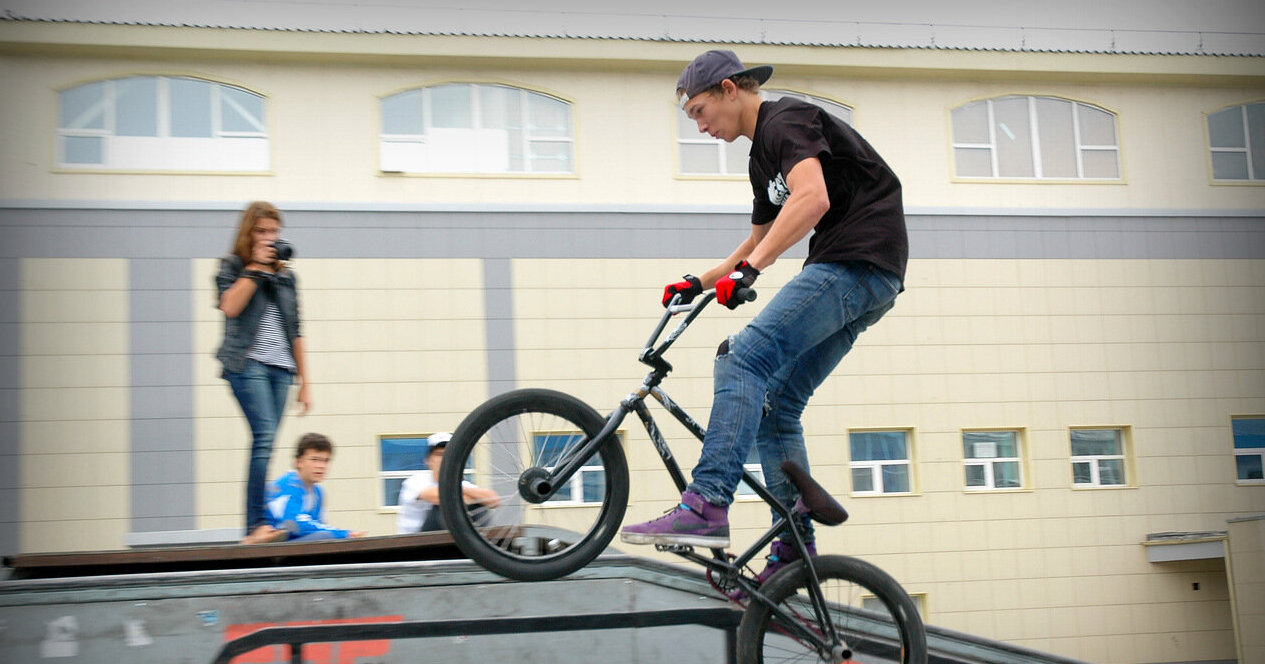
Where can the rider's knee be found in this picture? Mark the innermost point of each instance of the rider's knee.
(723, 348)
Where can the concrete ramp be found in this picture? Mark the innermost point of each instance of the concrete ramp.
(189, 616)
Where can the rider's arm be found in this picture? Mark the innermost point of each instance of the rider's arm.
(758, 231)
(807, 202)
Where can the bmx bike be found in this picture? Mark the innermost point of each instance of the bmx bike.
(562, 478)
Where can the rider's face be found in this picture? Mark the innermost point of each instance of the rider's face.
(716, 115)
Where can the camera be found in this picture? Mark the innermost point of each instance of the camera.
(285, 250)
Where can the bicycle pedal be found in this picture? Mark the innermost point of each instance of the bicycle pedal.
(674, 548)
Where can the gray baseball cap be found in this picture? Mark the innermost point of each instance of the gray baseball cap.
(713, 67)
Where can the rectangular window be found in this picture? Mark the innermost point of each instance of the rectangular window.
(83, 107)
(191, 108)
(400, 456)
(752, 466)
(1012, 134)
(994, 460)
(1249, 449)
(881, 462)
(872, 603)
(1237, 138)
(136, 106)
(241, 111)
(587, 485)
(1098, 457)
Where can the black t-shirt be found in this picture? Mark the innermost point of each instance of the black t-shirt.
(866, 220)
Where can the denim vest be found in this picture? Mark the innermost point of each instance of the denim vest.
(239, 333)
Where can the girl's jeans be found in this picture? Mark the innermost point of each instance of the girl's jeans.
(261, 390)
(765, 374)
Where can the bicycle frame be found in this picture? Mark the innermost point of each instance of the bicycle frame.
(652, 356)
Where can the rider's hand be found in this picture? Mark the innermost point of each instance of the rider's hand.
(689, 288)
(742, 277)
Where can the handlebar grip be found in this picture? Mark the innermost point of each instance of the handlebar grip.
(744, 294)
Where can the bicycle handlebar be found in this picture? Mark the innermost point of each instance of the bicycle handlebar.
(650, 354)
(742, 293)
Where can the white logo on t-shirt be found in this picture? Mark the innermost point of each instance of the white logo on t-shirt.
(778, 193)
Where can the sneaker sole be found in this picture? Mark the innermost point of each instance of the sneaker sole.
(680, 540)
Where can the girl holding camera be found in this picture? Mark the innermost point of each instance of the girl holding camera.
(262, 352)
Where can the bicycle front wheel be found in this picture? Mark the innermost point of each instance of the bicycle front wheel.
(873, 617)
(505, 445)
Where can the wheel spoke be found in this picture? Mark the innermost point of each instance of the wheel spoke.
(517, 439)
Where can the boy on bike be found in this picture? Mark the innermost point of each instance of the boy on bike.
(809, 172)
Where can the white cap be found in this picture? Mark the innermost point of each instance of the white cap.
(438, 439)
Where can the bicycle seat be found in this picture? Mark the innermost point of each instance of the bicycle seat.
(821, 506)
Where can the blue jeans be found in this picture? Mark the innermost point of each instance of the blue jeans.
(261, 391)
(767, 372)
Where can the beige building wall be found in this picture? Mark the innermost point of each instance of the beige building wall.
(394, 346)
(74, 404)
(1245, 557)
(323, 117)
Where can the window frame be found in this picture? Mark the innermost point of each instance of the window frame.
(876, 467)
(1258, 452)
(990, 486)
(871, 602)
(163, 139)
(1253, 178)
(744, 492)
(384, 475)
(577, 480)
(476, 118)
(722, 147)
(1125, 456)
(1034, 137)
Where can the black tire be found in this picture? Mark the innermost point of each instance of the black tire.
(493, 447)
(890, 631)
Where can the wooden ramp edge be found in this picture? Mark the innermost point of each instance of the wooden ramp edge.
(391, 548)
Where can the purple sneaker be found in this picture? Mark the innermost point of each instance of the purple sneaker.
(781, 555)
(695, 522)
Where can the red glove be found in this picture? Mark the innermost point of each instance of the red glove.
(689, 288)
(734, 288)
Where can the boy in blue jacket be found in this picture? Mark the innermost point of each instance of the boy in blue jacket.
(295, 501)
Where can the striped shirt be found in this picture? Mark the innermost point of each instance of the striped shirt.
(270, 346)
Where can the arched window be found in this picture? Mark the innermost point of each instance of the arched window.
(1035, 137)
(469, 128)
(1236, 136)
(164, 123)
(700, 154)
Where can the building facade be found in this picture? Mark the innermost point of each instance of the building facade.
(1044, 441)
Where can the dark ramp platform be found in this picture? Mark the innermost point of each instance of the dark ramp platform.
(392, 548)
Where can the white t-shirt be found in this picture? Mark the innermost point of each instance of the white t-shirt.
(413, 510)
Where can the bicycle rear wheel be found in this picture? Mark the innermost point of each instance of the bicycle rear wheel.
(506, 443)
(871, 613)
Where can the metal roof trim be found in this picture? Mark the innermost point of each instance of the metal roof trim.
(785, 33)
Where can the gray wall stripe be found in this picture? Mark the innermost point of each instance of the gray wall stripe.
(483, 207)
(161, 369)
(498, 303)
(10, 406)
(323, 234)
